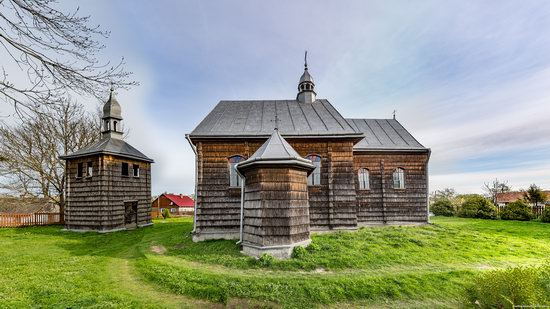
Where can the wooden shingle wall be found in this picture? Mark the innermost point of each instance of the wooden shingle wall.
(276, 210)
(384, 204)
(332, 204)
(97, 202)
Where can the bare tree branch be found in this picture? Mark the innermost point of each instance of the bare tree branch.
(57, 52)
(30, 151)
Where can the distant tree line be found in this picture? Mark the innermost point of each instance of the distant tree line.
(447, 202)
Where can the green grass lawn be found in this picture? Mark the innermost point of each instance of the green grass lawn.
(160, 266)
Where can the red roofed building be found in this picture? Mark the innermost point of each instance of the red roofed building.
(505, 198)
(178, 204)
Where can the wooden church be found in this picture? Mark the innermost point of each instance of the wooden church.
(109, 182)
(316, 171)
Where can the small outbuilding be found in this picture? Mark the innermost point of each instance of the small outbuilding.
(177, 204)
(109, 182)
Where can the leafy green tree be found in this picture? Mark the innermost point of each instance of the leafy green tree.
(442, 207)
(545, 215)
(476, 206)
(535, 195)
(166, 213)
(517, 210)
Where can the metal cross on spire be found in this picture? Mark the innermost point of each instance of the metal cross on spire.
(394, 112)
(305, 60)
(276, 120)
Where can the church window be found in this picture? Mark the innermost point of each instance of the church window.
(125, 169)
(79, 170)
(234, 179)
(115, 124)
(136, 170)
(399, 178)
(314, 179)
(89, 169)
(363, 177)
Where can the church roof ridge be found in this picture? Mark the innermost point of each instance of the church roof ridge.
(253, 118)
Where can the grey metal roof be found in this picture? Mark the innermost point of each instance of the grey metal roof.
(384, 134)
(257, 118)
(110, 146)
(276, 150)
(111, 108)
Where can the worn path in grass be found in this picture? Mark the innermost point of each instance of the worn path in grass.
(161, 267)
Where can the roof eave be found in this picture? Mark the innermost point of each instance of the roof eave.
(294, 162)
(420, 150)
(255, 136)
(80, 155)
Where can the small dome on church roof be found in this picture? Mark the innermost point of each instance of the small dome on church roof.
(306, 77)
(112, 108)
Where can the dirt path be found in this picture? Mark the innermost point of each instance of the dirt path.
(123, 275)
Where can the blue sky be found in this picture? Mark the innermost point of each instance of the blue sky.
(469, 79)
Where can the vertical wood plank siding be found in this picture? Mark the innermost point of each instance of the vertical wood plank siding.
(392, 205)
(97, 202)
(337, 203)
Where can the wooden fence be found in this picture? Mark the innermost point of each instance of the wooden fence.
(537, 211)
(29, 219)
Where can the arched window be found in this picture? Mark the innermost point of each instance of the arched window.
(114, 129)
(234, 179)
(314, 179)
(363, 177)
(399, 178)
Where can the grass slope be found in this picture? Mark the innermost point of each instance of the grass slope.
(161, 267)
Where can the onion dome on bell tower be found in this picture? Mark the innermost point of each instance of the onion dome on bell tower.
(306, 86)
(112, 118)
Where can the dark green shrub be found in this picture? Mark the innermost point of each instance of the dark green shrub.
(166, 213)
(266, 260)
(545, 215)
(298, 252)
(509, 287)
(517, 210)
(442, 207)
(476, 206)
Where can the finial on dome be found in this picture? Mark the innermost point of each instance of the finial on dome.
(305, 61)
